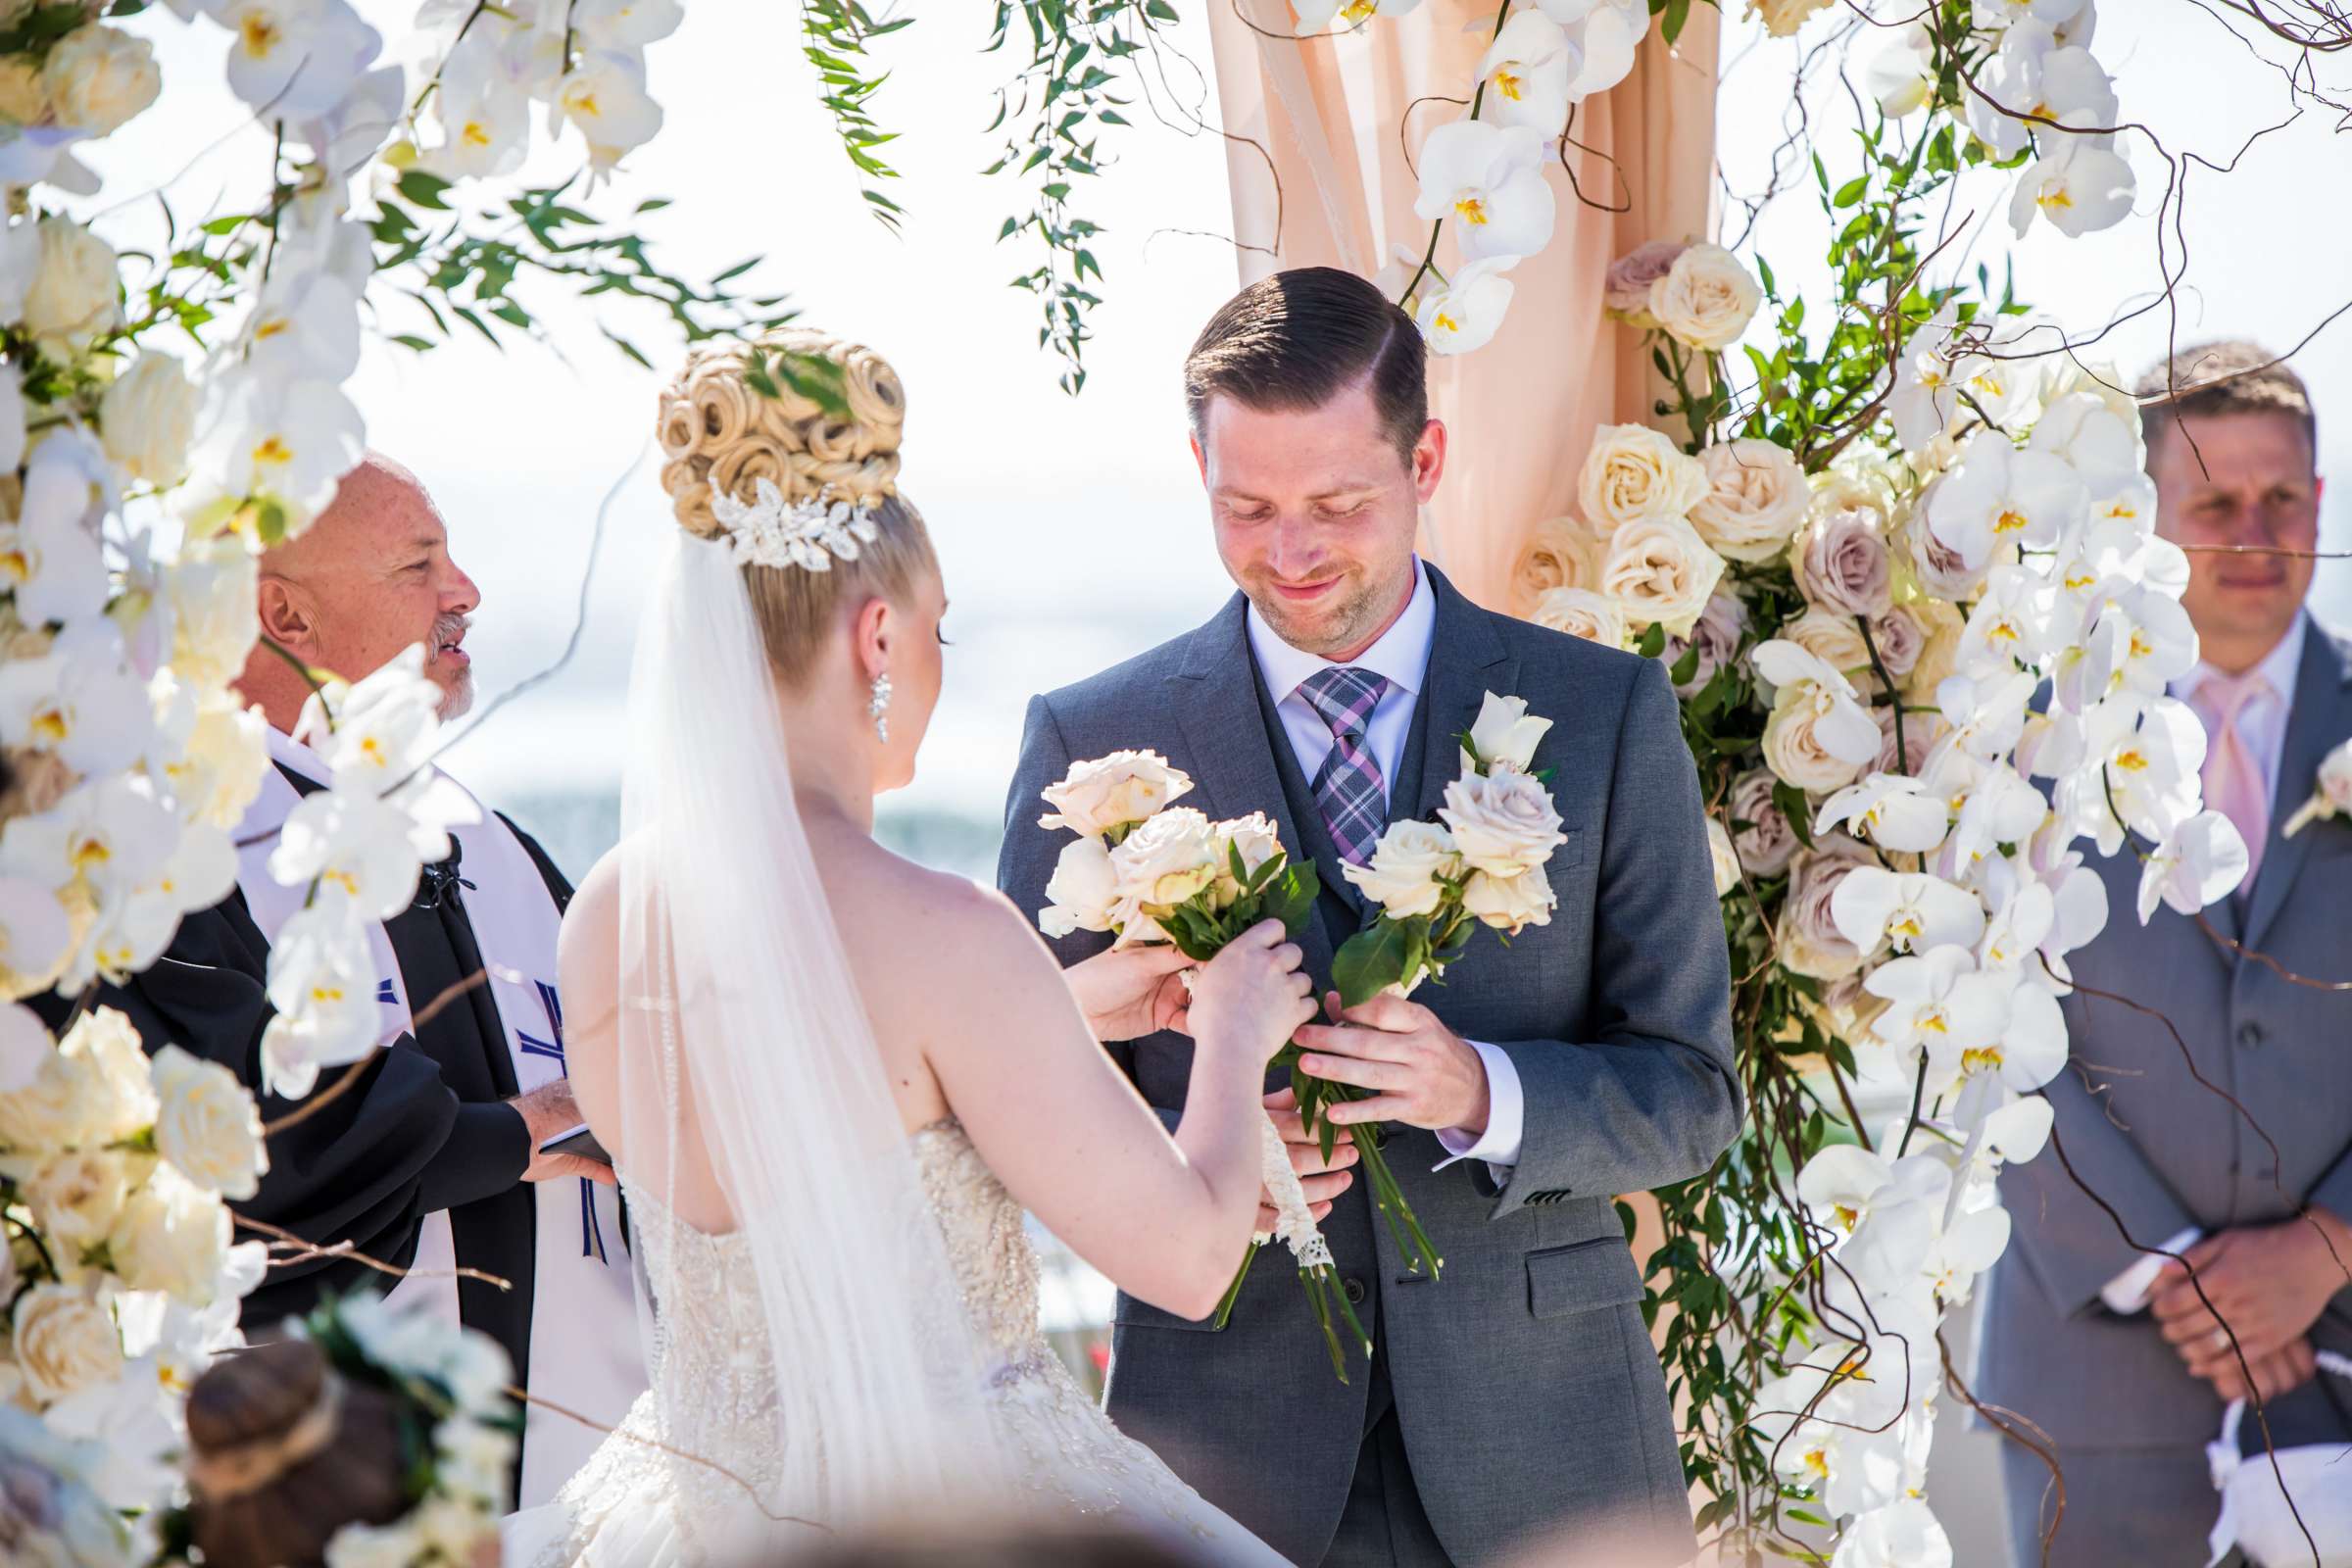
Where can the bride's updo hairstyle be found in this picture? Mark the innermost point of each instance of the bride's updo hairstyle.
(720, 435)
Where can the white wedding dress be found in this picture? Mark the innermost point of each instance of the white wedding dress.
(637, 1505)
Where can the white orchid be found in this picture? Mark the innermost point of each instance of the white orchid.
(1909, 910)
(1316, 15)
(305, 324)
(295, 59)
(605, 96)
(2138, 640)
(1527, 71)
(2010, 625)
(1605, 34)
(34, 934)
(2002, 499)
(270, 455)
(2200, 861)
(325, 992)
(86, 709)
(2001, 807)
(1987, 716)
(112, 832)
(1940, 1005)
(1893, 810)
(2100, 444)
(355, 848)
(1465, 312)
(1845, 727)
(2080, 186)
(1902, 74)
(1489, 179)
(1904, 1533)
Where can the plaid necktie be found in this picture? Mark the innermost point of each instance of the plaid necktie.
(1349, 790)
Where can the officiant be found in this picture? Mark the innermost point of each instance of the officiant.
(431, 1160)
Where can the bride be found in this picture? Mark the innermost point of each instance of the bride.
(830, 1079)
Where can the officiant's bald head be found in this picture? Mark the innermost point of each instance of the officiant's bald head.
(371, 576)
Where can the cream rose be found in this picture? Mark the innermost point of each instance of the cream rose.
(1722, 858)
(1081, 891)
(1257, 838)
(1706, 299)
(1563, 554)
(1625, 289)
(1166, 861)
(93, 1090)
(1504, 733)
(1835, 640)
(210, 589)
(1113, 792)
(76, 1198)
(172, 1235)
(1503, 824)
(1842, 565)
(1940, 649)
(1792, 746)
(220, 767)
(1716, 634)
(65, 1341)
(23, 96)
(208, 1126)
(1809, 942)
(75, 296)
(1756, 499)
(1509, 903)
(1582, 612)
(1634, 474)
(1661, 573)
(1404, 876)
(1901, 637)
(147, 420)
(1765, 842)
(1782, 18)
(98, 78)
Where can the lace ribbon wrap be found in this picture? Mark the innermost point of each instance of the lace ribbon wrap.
(1294, 1222)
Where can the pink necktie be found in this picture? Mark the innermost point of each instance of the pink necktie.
(2233, 777)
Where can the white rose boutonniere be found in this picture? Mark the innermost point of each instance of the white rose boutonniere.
(2331, 798)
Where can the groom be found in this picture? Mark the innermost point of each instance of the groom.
(1518, 1398)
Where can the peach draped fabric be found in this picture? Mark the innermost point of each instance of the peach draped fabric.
(1338, 113)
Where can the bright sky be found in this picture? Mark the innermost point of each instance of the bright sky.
(1072, 529)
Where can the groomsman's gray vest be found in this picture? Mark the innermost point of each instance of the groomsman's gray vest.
(1525, 1385)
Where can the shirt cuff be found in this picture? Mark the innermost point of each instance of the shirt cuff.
(1506, 1119)
(2128, 1292)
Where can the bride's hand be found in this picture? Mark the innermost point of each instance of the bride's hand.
(1128, 993)
(1253, 995)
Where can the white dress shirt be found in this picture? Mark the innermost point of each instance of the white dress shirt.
(2261, 724)
(1401, 655)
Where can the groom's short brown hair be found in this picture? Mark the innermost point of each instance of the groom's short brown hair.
(1295, 340)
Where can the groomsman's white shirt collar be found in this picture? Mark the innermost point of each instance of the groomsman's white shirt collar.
(1401, 657)
(2262, 721)
(2262, 726)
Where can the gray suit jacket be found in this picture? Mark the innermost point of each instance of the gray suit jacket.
(1525, 1384)
(2167, 1152)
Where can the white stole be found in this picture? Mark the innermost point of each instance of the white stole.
(584, 1348)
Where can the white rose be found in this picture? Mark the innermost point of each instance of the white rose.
(1079, 896)
(1407, 864)
(65, 1341)
(393, 1546)
(75, 297)
(1113, 792)
(1166, 861)
(172, 1237)
(147, 421)
(1563, 554)
(473, 1458)
(1792, 746)
(1257, 838)
(1722, 858)
(92, 1090)
(1633, 473)
(1755, 501)
(1509, 903)
(1940, 649)
(1835, 640)
(1809, 941)
(23, 96)
(98, 78)
(209, 1125)
(1767, 842)
(75, 1197)
(1581, 613)
(1706, 298)
(1502, 733)
(1503, 824)
(1662, 573)
(220, 769)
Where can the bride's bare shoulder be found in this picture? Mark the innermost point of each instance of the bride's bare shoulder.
(932, 918)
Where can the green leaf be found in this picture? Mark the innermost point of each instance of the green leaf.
(1653, 641)
(1370, 961)
(424, 189)
(1794, 805)
(1160, 11)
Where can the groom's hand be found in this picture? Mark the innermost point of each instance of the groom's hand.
(1322, 1182)
(1420, 1072)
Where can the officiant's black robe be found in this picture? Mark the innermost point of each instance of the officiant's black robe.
(424, 1129)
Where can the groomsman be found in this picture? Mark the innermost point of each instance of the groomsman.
(432, 1160)
(2101, 1342)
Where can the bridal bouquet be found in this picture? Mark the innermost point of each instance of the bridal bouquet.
(1144, 870)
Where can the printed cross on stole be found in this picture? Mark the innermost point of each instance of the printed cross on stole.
(592, 1236)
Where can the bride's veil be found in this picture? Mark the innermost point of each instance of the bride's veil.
(755, 1097)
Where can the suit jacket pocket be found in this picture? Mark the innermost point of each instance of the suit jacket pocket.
(1571, 852)
(1132, 1314)
(1581, 1278)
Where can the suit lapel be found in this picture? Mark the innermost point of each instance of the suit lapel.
(1214, 695)
(2319, 719)
(1467, 659)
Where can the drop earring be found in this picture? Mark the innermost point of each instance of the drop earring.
(878, 707)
